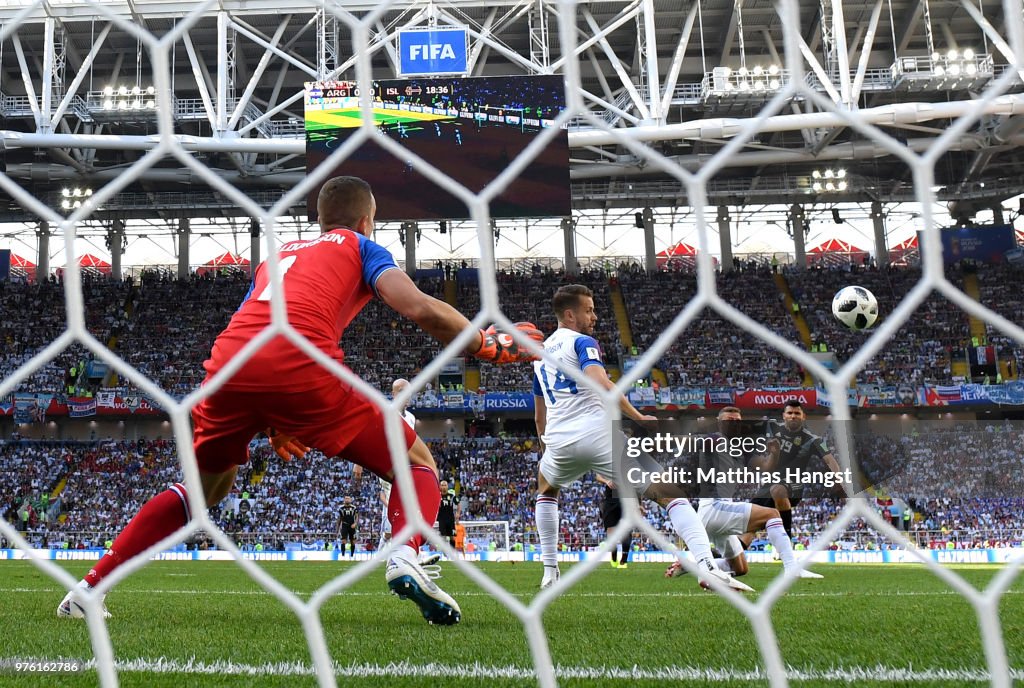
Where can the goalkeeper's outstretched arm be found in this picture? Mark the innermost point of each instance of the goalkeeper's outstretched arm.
(442, 322)
(437, 318)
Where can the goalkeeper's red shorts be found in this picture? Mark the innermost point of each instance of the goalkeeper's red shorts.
(334, 418)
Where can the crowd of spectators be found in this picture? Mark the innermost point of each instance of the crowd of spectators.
(942, 483)
(34, 315)
(1001, 292)
(712, 351)
(173, 324)
(920, 351)
(165, 327)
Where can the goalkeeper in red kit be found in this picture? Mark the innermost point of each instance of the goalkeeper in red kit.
(327, 281)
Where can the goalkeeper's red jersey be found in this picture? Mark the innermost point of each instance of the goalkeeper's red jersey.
(327, 281)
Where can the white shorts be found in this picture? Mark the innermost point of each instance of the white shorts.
(723, 520)
(563, 465)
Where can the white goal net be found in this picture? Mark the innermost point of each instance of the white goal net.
(824, 96)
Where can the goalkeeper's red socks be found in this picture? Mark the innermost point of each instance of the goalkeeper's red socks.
(158, 518)
(428, 494)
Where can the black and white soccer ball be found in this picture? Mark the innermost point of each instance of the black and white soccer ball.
(855, 307)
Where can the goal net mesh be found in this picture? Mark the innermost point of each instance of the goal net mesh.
(572, 32)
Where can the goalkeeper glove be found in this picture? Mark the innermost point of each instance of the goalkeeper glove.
(499, 348)
(286, 446)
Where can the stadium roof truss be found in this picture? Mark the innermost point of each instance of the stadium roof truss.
(79, 103)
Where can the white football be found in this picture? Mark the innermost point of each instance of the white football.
(855, 307)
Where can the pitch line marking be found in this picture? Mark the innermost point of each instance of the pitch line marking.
(478, 671)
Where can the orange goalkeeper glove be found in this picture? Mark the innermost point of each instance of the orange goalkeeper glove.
(286, 446)
(499, 348)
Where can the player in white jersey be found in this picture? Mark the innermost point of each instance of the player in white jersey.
(577, 438)
(726, 518)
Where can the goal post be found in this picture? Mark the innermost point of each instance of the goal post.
(490, 539)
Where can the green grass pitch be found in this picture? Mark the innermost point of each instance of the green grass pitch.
(631, 627)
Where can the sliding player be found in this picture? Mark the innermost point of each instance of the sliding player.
(726, 518)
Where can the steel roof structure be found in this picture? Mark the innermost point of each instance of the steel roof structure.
(684, 78)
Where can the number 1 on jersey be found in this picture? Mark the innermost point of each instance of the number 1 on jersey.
(285, 265)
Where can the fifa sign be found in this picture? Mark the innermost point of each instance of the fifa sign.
(425, 51)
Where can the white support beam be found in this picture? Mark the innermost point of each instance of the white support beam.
(727, 127)
(224, 71)
(83, 71)
(43, 119)
(819, 72)
(257, 74)
(842, 56)
(26, 77)
(390, 52)
(251, 35)
(599, 73)
(627, 82)
(479, 47)
(200, 77)
(278, 85)
(677, 58)
(865, 53)
(627, 14)
(653, 73)
(498, 46)
(609, 106)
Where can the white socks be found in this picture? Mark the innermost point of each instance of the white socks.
(689, 527)
(546, 513)
(781, 542)
(723, 564)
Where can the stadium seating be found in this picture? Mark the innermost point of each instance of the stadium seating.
(165, 327)
(712, 351)
(961, 484)
(920, 351)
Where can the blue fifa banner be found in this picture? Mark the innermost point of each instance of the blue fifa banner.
(433, 51)
(5, 264)
(984, 244)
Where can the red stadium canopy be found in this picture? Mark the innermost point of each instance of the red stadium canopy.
(19, 262)
(90, 265)
(677, 255)
(835, 252)
(225, 261)
(23, 268)
(904, 252)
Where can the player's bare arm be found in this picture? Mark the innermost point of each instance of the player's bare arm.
(442, 322)
(831, 462)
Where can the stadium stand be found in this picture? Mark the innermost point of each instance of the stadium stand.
(106, 482)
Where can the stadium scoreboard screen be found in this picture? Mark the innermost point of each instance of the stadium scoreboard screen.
(470, 129)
